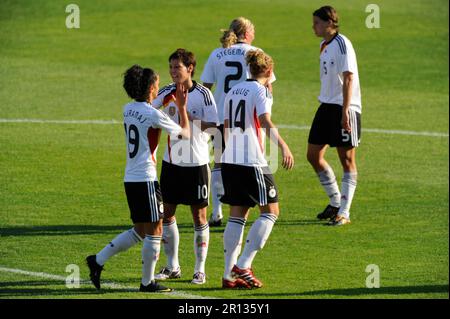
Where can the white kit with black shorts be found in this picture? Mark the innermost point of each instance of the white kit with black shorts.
(142, 125)
(337, 56)
(185, 158)
(246, 176)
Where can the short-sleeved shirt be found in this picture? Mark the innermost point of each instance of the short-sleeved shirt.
(338, 56)
(227, 67)
(201, 106)
(244, 103)
(143, 124)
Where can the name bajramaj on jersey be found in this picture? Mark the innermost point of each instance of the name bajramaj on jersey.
(136, 115)
(230, 51)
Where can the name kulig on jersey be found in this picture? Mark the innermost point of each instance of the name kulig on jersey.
(201, 107)
(245, 144)
(143, 125)
(227, 67)
(338, 56)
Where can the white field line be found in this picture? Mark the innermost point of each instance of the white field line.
(282, 126)
(108, 284)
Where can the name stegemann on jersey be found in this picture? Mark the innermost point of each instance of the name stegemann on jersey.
(136, 115)
(230, 51)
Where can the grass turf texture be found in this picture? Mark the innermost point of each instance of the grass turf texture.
(62, 197)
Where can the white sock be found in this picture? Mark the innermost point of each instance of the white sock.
(201, 242)
(171, 241)
(150, 256)
(348, 186)
(329, 183)
(216, 192)
(232, 243)
(256, 238)
(121, 243)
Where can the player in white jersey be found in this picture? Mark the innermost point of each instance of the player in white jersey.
(337, 122)
(246, 176)
(186, 162)
(226, 67)
(143, 124)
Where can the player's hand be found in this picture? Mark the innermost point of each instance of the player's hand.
(345, 122)
(288, 158)
(181, 96)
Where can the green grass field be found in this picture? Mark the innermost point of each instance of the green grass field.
(61, 193)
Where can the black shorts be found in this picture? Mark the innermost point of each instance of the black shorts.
(145, 201)
(185, 185)
(248, 185)
(327, 129)
(219, 143)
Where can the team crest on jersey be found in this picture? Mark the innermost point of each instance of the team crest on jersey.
(172, 110)
(272, 192)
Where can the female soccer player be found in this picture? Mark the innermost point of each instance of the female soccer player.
(337, 122)
(226, 67)
(246, 176)
(185, 170)
(143, 125)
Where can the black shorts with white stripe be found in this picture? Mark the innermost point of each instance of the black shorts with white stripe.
(327, 129)
(145, 201)
(248, 185)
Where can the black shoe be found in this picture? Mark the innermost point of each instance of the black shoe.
(95, 270)
(329, 212)
(154, 286)
(215, 223)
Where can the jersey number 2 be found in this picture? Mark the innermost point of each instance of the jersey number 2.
(232, 77)
(133, 139)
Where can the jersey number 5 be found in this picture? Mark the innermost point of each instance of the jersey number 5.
(133, 139)
(238, 120)
(232, 77)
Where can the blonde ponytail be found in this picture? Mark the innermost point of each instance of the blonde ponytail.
(228, 38)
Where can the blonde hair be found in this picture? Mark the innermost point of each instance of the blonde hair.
(236, 31)
(258, 62)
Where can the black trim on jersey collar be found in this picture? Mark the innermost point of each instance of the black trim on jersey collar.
(194, 85)
(251, 80)
(334, 37)
(241, 42)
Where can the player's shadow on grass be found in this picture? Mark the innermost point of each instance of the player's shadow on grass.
(64, 230)
(398, 290)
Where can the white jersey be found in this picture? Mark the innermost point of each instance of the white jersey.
(143, 125)
(227, 67)
(200, 106)
(338, 56)
(245, 142)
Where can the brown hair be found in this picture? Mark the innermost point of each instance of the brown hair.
(258, 62)
(236, 31)
(186, 57)
(328, 13)
(137, 81)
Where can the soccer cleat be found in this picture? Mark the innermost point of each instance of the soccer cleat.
(154, 286)
(246, 275)
(95, 270)
(215, 223)
(199, 278)
(339, 221)
(238, 283)
(328, 212)
(166, 273)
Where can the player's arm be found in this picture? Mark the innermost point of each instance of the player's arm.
(226, 127)
(272, 131)
(347, 95)
(181, 97)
